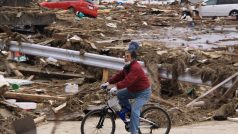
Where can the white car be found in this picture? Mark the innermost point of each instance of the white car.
(219, 8)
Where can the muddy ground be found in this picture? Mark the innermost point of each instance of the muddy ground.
(165, 40)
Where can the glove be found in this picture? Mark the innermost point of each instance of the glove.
(113, 90)
(104, 85)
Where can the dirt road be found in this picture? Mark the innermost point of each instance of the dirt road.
(212, 127)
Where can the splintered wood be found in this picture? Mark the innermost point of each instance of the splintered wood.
(214, 88)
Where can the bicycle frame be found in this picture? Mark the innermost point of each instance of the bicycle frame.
(104, 112)
(108, 109)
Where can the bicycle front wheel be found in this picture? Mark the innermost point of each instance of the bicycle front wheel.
(98, 122)
(154, 120)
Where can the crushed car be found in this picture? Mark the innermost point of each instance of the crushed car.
(87, 7)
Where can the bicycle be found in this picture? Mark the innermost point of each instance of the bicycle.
(103, 120)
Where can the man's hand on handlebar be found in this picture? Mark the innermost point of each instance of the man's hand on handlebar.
(113, 90)
(104, 85)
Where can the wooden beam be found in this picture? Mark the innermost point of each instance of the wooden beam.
(53, 74)
(105, 75)
(8, 104)
(213, 89)
(31, 77)
(39, 119)
(57, 109)
(32, 97)
(230, 91)
(14, 69)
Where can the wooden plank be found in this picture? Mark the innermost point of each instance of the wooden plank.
(231, 54)
(14, 69)
(53, 74)
(105, 75)
(91, 44)
(213, 89)
(120, 48)
(229, 93)
(31, 77)
(39, 119)
(7, 104)
(57, 109)
(32, 97)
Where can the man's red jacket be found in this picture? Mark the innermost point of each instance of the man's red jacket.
(135, 80)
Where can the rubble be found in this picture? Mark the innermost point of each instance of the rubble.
(43, 79)
(15, 2)
(26, 18)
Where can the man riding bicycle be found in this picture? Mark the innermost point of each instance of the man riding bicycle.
(131, 83)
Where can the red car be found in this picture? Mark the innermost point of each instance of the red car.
(84, 6)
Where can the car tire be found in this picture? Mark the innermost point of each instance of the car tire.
(71, 10)
(234, 13)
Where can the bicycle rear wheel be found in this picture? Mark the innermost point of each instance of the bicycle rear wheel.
(155, 120)
(98, 122)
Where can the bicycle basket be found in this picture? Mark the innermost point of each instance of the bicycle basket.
(114, 104)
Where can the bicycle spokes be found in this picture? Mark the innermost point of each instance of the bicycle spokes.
(145, 123)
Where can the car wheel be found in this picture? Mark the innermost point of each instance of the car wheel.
(71, 10)
(234, 13)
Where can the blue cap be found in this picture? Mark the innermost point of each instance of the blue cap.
(133, 46)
